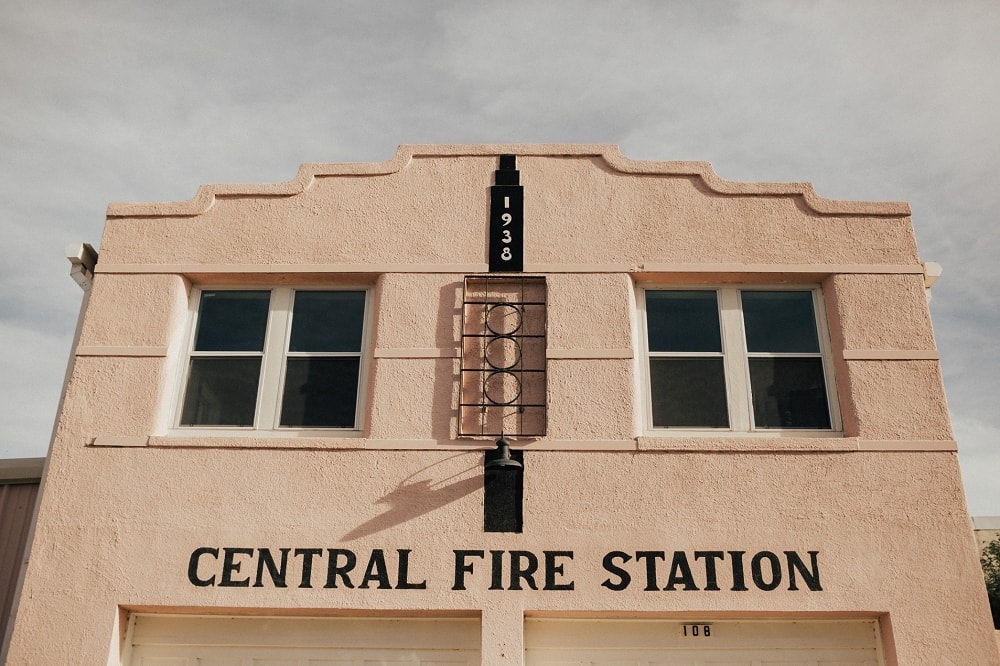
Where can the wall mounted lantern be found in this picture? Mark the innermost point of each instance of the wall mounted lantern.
(502, 462)
(503, 485)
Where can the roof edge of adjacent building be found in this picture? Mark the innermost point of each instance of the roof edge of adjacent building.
(986, 522)
(14, 470)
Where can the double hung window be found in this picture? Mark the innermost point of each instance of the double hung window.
(275, 358)
(737, 359)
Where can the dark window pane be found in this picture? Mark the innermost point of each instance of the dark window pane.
(221, 392)
(779, 321)
(320, 392)
(232, 320)
(789, 393)
(683, 321)
(327, 321)
(688, 392)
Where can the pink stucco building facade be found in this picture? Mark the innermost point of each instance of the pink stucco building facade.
(728, 435)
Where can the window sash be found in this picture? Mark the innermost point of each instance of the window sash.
(737, 361)
(274, 362)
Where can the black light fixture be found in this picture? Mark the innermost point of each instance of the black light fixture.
(503, 486)
(501, 461)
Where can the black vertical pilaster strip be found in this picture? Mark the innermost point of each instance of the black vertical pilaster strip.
(507, 218)
(504, 496)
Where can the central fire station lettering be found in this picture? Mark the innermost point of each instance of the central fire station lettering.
(257, 567)
(702, 571)
(521, 567)
(648, 570)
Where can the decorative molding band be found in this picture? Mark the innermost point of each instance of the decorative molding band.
(530, 267)
(357, 443)
(649, 444)
(309, 173)
(891, 355)
(462, 269)
(109, 350)
(489, 443)
(364, 269)
(585, 354)
(418, 352)
(825, 269)
(788, 444)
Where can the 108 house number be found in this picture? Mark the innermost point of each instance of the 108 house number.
(696, 630)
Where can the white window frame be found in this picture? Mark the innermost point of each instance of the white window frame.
(267, 409)
(739, 398)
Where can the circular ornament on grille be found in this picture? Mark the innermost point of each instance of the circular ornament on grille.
(503, 352)
(503, 319)
(502, 387)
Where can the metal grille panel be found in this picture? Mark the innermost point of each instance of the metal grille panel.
(503, 357)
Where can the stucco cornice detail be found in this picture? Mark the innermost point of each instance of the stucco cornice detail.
(609, 153)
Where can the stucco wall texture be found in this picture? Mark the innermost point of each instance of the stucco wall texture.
(128, 496)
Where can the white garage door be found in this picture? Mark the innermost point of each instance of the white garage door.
(177, 640)
(552, 642)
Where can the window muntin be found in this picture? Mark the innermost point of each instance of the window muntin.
(738, 359)
(280, 358)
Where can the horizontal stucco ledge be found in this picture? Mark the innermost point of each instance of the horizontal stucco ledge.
(789, 444)
(948, 445)
(121, 441)
(650, 444)
(891, 355)
(454, 352)
(120, 350)
(275, 268)
(640, 272)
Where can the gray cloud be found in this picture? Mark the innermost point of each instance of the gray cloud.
(112, 101)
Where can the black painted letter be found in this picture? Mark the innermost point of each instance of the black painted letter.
(795, 563)
(462, 568)
(402, 579)
(758, 574)
(336, 570)
(710, 556)
(277, 574)
(552, 569)
(624, 578)
(230, 566)
(193, 567)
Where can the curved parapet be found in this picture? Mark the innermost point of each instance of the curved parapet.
(609, 153)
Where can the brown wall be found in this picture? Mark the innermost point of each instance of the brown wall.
(19, 481)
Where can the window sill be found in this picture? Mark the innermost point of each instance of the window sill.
(723, 433)
(250, 433)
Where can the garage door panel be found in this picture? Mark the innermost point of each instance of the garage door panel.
(168, 640)
(560, 642)
(284, 656)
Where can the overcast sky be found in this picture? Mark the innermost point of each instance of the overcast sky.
(144, 101)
